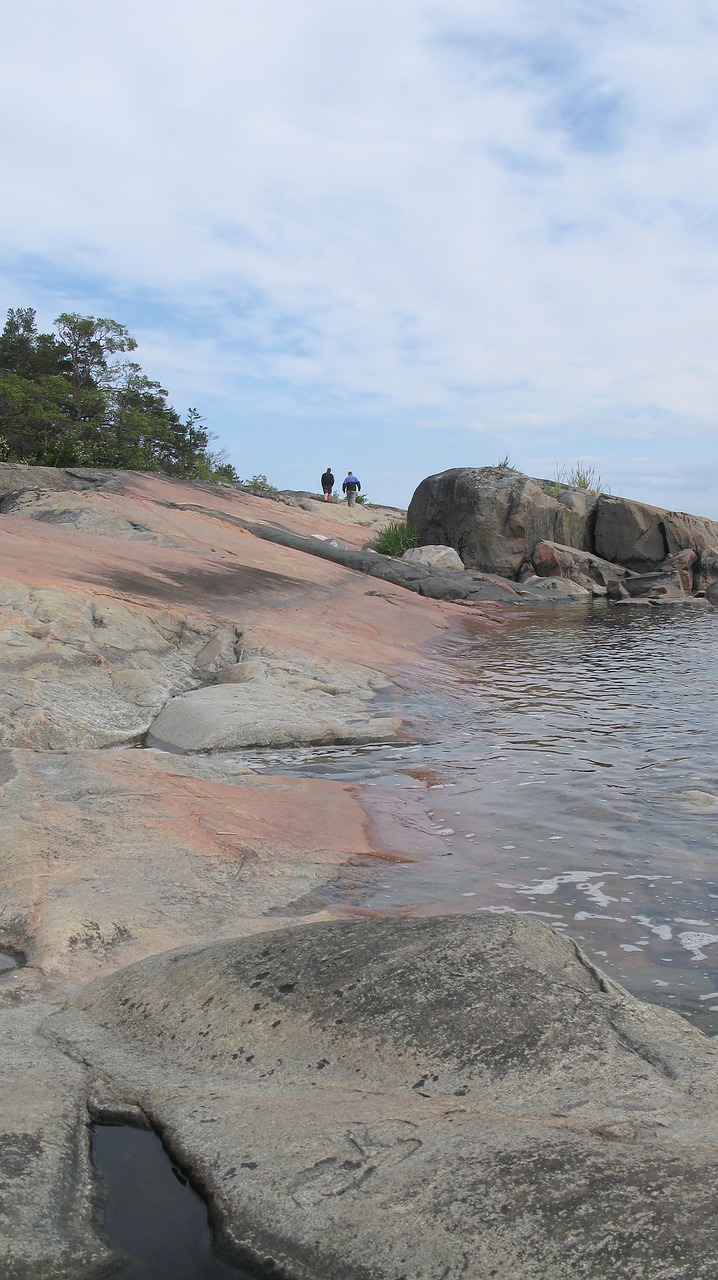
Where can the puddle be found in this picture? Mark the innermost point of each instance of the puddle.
(8, 962)
(149, 1211)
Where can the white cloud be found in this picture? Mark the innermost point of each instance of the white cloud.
(330, 222)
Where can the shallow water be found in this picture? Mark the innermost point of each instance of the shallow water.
(150, 1212)
(572, 774)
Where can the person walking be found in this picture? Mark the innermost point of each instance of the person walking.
(327, 484)
(351, 487)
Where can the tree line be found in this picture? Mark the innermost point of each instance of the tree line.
(76, 398)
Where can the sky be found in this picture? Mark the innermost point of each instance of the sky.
(393, 236)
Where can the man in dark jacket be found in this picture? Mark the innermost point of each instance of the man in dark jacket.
(351, 487)
(327, 484)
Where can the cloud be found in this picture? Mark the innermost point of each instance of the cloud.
(466, 227)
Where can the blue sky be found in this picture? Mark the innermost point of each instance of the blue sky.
(395, 236)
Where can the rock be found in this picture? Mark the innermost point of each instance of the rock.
(48, 1199)
(419, 1097)
(15, 478)
(706, 569)
(278, 703)
(435, 557)
(496, 518)
(492, 516)
(83, 671)
(575, 518)
(655, 585)
(641, 537)
(560, 588)
(696, 801)
(682, 562)
(551, 560)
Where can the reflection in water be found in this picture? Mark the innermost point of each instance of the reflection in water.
(571, 769)
(150, 1212)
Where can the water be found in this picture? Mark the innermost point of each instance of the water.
(150, 1212)
(569, 768)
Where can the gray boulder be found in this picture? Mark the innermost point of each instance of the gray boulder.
(642, 537)
(706, 570)
(496, 518)
(557, 588)
(493, 516)
(437, 557)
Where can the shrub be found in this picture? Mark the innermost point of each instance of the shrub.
(395, 538)
(260, 484)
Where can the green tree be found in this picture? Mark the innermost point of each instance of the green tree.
(24, 351)
(88, 344)
(76, 400)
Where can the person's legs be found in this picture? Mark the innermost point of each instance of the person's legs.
(350, 497)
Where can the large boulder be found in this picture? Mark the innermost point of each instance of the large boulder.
(493, 516)
(642, 537)
(496, 518)
(575, 518)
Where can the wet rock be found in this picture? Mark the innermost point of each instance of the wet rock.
(429, 1098)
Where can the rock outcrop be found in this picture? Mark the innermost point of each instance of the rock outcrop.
(501, 521)
(423, 1098)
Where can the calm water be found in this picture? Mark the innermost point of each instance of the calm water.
(569, 766)
(150, 1212)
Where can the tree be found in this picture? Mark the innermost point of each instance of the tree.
(88, 343)
(24, 351)
(71, 400)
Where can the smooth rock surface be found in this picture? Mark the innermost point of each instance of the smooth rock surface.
(435, 557)
(420, 1098)
(558, 588)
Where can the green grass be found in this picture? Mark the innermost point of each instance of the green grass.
(395, 538)
(579, 476)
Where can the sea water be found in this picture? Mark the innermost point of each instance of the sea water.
(569, 768)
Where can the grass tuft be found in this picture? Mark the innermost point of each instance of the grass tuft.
(395, 538)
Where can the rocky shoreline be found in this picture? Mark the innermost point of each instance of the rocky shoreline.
(385, 1098)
